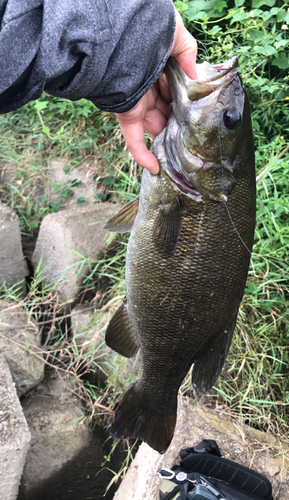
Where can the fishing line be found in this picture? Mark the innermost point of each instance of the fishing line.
(240, 237)
(204, 48)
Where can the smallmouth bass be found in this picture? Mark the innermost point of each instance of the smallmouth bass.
(192, 230)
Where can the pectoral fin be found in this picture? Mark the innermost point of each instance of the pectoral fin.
(207, 368)
(167, 227)
(119, 334)
(123, 221)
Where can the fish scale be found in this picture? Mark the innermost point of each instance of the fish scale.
(187, 256)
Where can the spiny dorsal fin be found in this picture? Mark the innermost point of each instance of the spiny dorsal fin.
(119, 334)
(123, 221)
(167, 227)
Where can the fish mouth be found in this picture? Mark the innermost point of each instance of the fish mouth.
(181, 184)
(191, 170)
(210, 79)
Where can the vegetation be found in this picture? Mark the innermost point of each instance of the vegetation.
(254, 383)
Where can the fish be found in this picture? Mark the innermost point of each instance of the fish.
(191, 235)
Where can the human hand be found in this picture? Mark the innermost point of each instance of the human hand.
(152, 111)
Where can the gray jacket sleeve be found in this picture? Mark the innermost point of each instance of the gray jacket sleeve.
(108, 51)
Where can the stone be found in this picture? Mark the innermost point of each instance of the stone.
(19, 343)
(67, 243)
(57, 423)
(13, 267)
(258, 450)
(14, 436)
(83, 175)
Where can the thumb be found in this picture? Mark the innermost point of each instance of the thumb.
(184, 49)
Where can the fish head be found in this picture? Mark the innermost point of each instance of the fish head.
(206, 128)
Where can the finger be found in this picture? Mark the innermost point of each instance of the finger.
(164, 88)
(134, 138)
(184, 49)
(154, 122)
(188, 56)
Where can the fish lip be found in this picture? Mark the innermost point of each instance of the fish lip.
(197, 90)
(217, 77)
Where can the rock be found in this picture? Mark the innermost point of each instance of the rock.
(66, 244)
(14, 436)
(5, 175)
(19, 343)
(260, 451)
(13, 267)
(57, 436)
(85, 185)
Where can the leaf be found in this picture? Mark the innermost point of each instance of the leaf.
(255, 35)
(281, 60)
(40, 105)
(258, 3)
(283, 16)
(181, 6)
(266, 15)
(281, 43)
(215, 30)
(265, 51)
(239, 17)
(201, 4)
(46, 130)
(251, 288)
(239, 3)
(99, 196)
(86, 144)
(220, 5)
(193, 13)
(108, 126)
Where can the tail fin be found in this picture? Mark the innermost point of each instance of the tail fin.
(135, 419)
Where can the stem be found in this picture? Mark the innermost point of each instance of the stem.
(263, 171)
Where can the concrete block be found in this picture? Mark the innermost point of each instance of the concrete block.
(66, 239)
(19, 343)
(57, 435)
(60, 180)
(13, 267)
(238, 442)
(14, 436)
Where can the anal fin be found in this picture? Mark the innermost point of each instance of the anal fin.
(123, 221)
(207, 368)
(119, 334)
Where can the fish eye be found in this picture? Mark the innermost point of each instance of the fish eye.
(232, 118)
